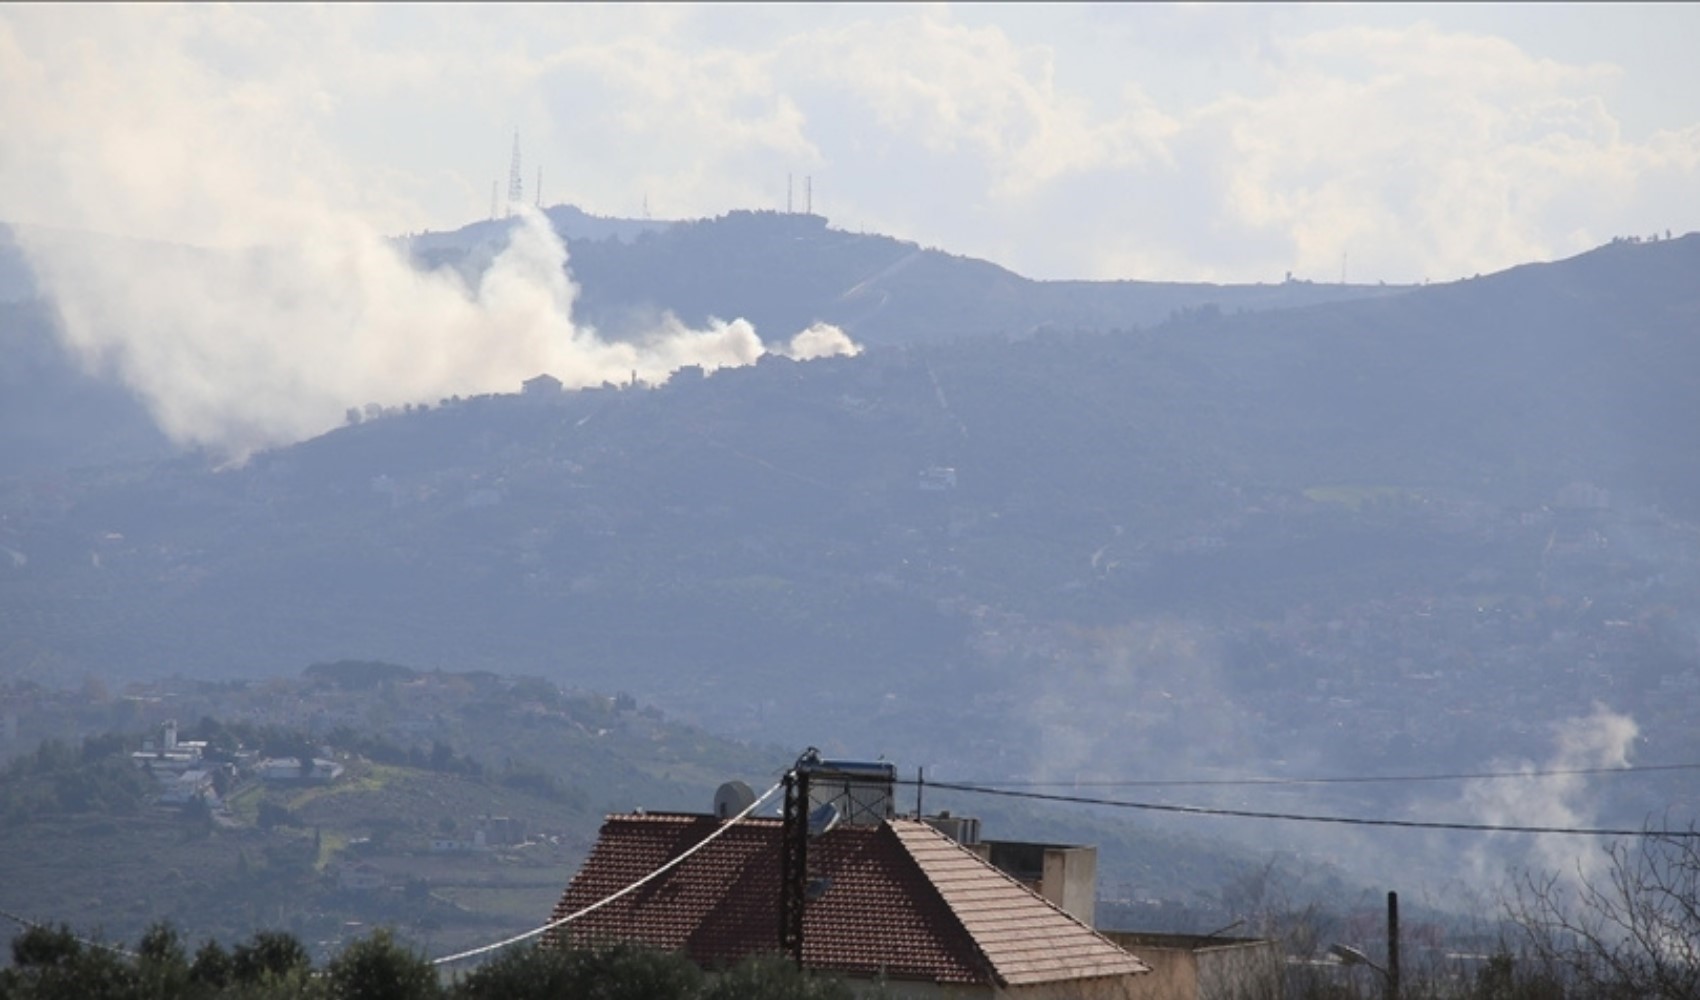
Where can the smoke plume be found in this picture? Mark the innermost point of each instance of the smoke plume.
(242, 281)
(1601, 739)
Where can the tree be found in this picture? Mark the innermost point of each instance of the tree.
(1633, 933)
(162, 968)
(269, 956)
(377, 968)
(51, 963)
(622, 972)
(773, 977)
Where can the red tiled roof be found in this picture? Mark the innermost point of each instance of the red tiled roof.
(900, 900)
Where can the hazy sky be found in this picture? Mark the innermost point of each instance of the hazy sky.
(1191, 141)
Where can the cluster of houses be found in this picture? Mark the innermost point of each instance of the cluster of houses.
(185, 773)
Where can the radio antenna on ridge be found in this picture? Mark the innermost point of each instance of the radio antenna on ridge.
(516, 185)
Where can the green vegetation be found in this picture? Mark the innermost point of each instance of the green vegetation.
(55, 964)
(60, 780)
(460, 816)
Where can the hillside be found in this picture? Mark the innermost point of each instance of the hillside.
(784, 272)
(392, 840)
(463, 805)
(1422, 532)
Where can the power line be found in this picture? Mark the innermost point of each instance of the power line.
(1303, 818)
(80, 940)
(1348, 780)
(604, 901)
(551, 925)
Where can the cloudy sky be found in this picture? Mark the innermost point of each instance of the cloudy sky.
(1187, 142)
(1193, 141)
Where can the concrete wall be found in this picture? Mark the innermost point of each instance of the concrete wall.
(1187, 967)
(1071, 881)
(1067, 875)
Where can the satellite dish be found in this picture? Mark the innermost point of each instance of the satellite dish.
(732, 798)
(823, 818)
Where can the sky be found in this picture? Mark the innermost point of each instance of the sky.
(1193, 141)
(1206, 142)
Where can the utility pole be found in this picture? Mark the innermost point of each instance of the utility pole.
(1392, 945)
(794, 860)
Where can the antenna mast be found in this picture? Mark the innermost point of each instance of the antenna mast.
(788, 194)
(516, 185)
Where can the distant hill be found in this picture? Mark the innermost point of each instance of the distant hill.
(766, 538)
(785, 271)
(1430, 529)
(403, 836)
(782, 272)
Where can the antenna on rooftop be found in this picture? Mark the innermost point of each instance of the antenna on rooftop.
(516, 184)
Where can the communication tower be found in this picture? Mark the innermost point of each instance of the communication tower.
(516, 184)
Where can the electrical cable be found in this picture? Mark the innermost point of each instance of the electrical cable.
(80, 940)
(569, 918)
(1350, 780)
(1303, 818)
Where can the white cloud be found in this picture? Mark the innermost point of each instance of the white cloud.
(1220, 143)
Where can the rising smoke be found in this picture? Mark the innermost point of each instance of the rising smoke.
(237, 351)
(1558, 798)
(239, 283)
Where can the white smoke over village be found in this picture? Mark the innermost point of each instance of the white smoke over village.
(206, 247)
(242, 350)
(1560, 797)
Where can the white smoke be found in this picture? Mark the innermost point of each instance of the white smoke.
(244, 285)
(239, 351)
(1601, 739)
(822, 340)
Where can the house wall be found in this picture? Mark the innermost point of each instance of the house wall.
(1071, 881)
(1065, 875)
(1184, 968)
(1174, 974)
(1250, 971)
